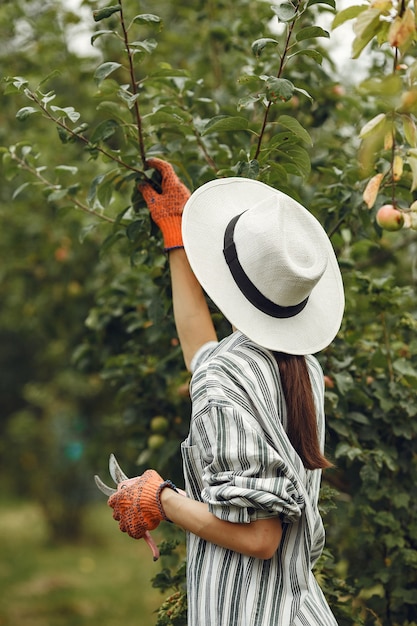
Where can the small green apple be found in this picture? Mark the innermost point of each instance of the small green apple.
(159, 424)
(155, 442)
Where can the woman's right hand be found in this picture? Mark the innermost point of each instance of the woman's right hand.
(166, 208)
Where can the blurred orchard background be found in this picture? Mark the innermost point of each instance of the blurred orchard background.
(315, 98)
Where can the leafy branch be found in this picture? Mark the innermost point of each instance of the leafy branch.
(75, 134)
(104, 13)
(277, 89)
(53, 187)
(389, 140)
(284, 55)
(59, 116)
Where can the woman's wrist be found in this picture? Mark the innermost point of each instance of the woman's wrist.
(168, 498)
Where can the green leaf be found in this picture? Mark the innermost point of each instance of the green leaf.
(128, 97)
(19, 190)
(412, 70)
(344, 382)
(285, 12)
(248, 169)
(63, 134)
(347, 14)
(390, 85)
(410, 130)
(146, 18)
(345, 449)
(259, 45)
(304, 92)
(26, 112)
(104, 131)
(278, 171)
(105, 12)
(311, 32)
(176, 112)
(373, 126)
(74, 189)
(330, 3)
(412, 162)
(250, 80)
(100, 33)
(56, 195)
(67, 168)
(225, 123)
(85, 231)
(81, 128)
(92, 193)
(104, 70)
(295, 127)
(68, 112)
(366, 27)
(295, 160)
(314, 54)
(163, 117)
(280, 140)
(279, 89)
(14, 84)
(166, 71)
(110, 241)
(105, 193)
(404, 367)
(10, 166)
(48, 97)
(360, 418)
(134, 229)
(147, 45)
(400, 500)
(248, 101)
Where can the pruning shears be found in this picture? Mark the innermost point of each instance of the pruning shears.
(119, 476)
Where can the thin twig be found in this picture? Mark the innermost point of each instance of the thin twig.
(204, 150)
(134, 88)
(83, 207)
(30, 94)
(279, 74)
(394, 145)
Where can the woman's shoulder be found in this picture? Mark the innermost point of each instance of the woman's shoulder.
(202, 355)
(235, 365)
(235, 348)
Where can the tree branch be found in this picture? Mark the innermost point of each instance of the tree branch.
(83, 207)
(279, 74)
(134, 88)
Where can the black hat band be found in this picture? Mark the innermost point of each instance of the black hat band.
(246, 286)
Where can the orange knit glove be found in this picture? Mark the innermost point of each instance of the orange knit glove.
(166, 207)
(137, 504)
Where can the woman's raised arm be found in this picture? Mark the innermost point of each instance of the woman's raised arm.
(191, 313)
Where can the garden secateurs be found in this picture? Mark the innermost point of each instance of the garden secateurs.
(119, 476)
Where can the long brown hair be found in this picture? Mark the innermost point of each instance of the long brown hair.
(301, 412)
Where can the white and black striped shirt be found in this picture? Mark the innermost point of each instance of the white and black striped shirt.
(239, 460)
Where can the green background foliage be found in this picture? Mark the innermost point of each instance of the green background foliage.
(90, 356)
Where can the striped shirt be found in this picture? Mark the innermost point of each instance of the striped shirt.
(238, 459)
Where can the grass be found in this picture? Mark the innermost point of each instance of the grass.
(104, 582)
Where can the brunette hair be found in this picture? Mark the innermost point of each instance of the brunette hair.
(301, 411)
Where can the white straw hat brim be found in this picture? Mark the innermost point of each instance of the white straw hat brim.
(205, 218)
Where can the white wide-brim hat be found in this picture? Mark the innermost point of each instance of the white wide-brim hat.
(266, 262)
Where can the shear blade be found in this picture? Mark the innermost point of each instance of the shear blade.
(108, 491)
(115, 470)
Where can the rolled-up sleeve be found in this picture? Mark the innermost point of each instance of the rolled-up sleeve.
(244, 476)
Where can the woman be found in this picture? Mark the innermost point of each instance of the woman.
(254, 454)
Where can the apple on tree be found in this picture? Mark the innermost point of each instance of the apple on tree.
(389, 217)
